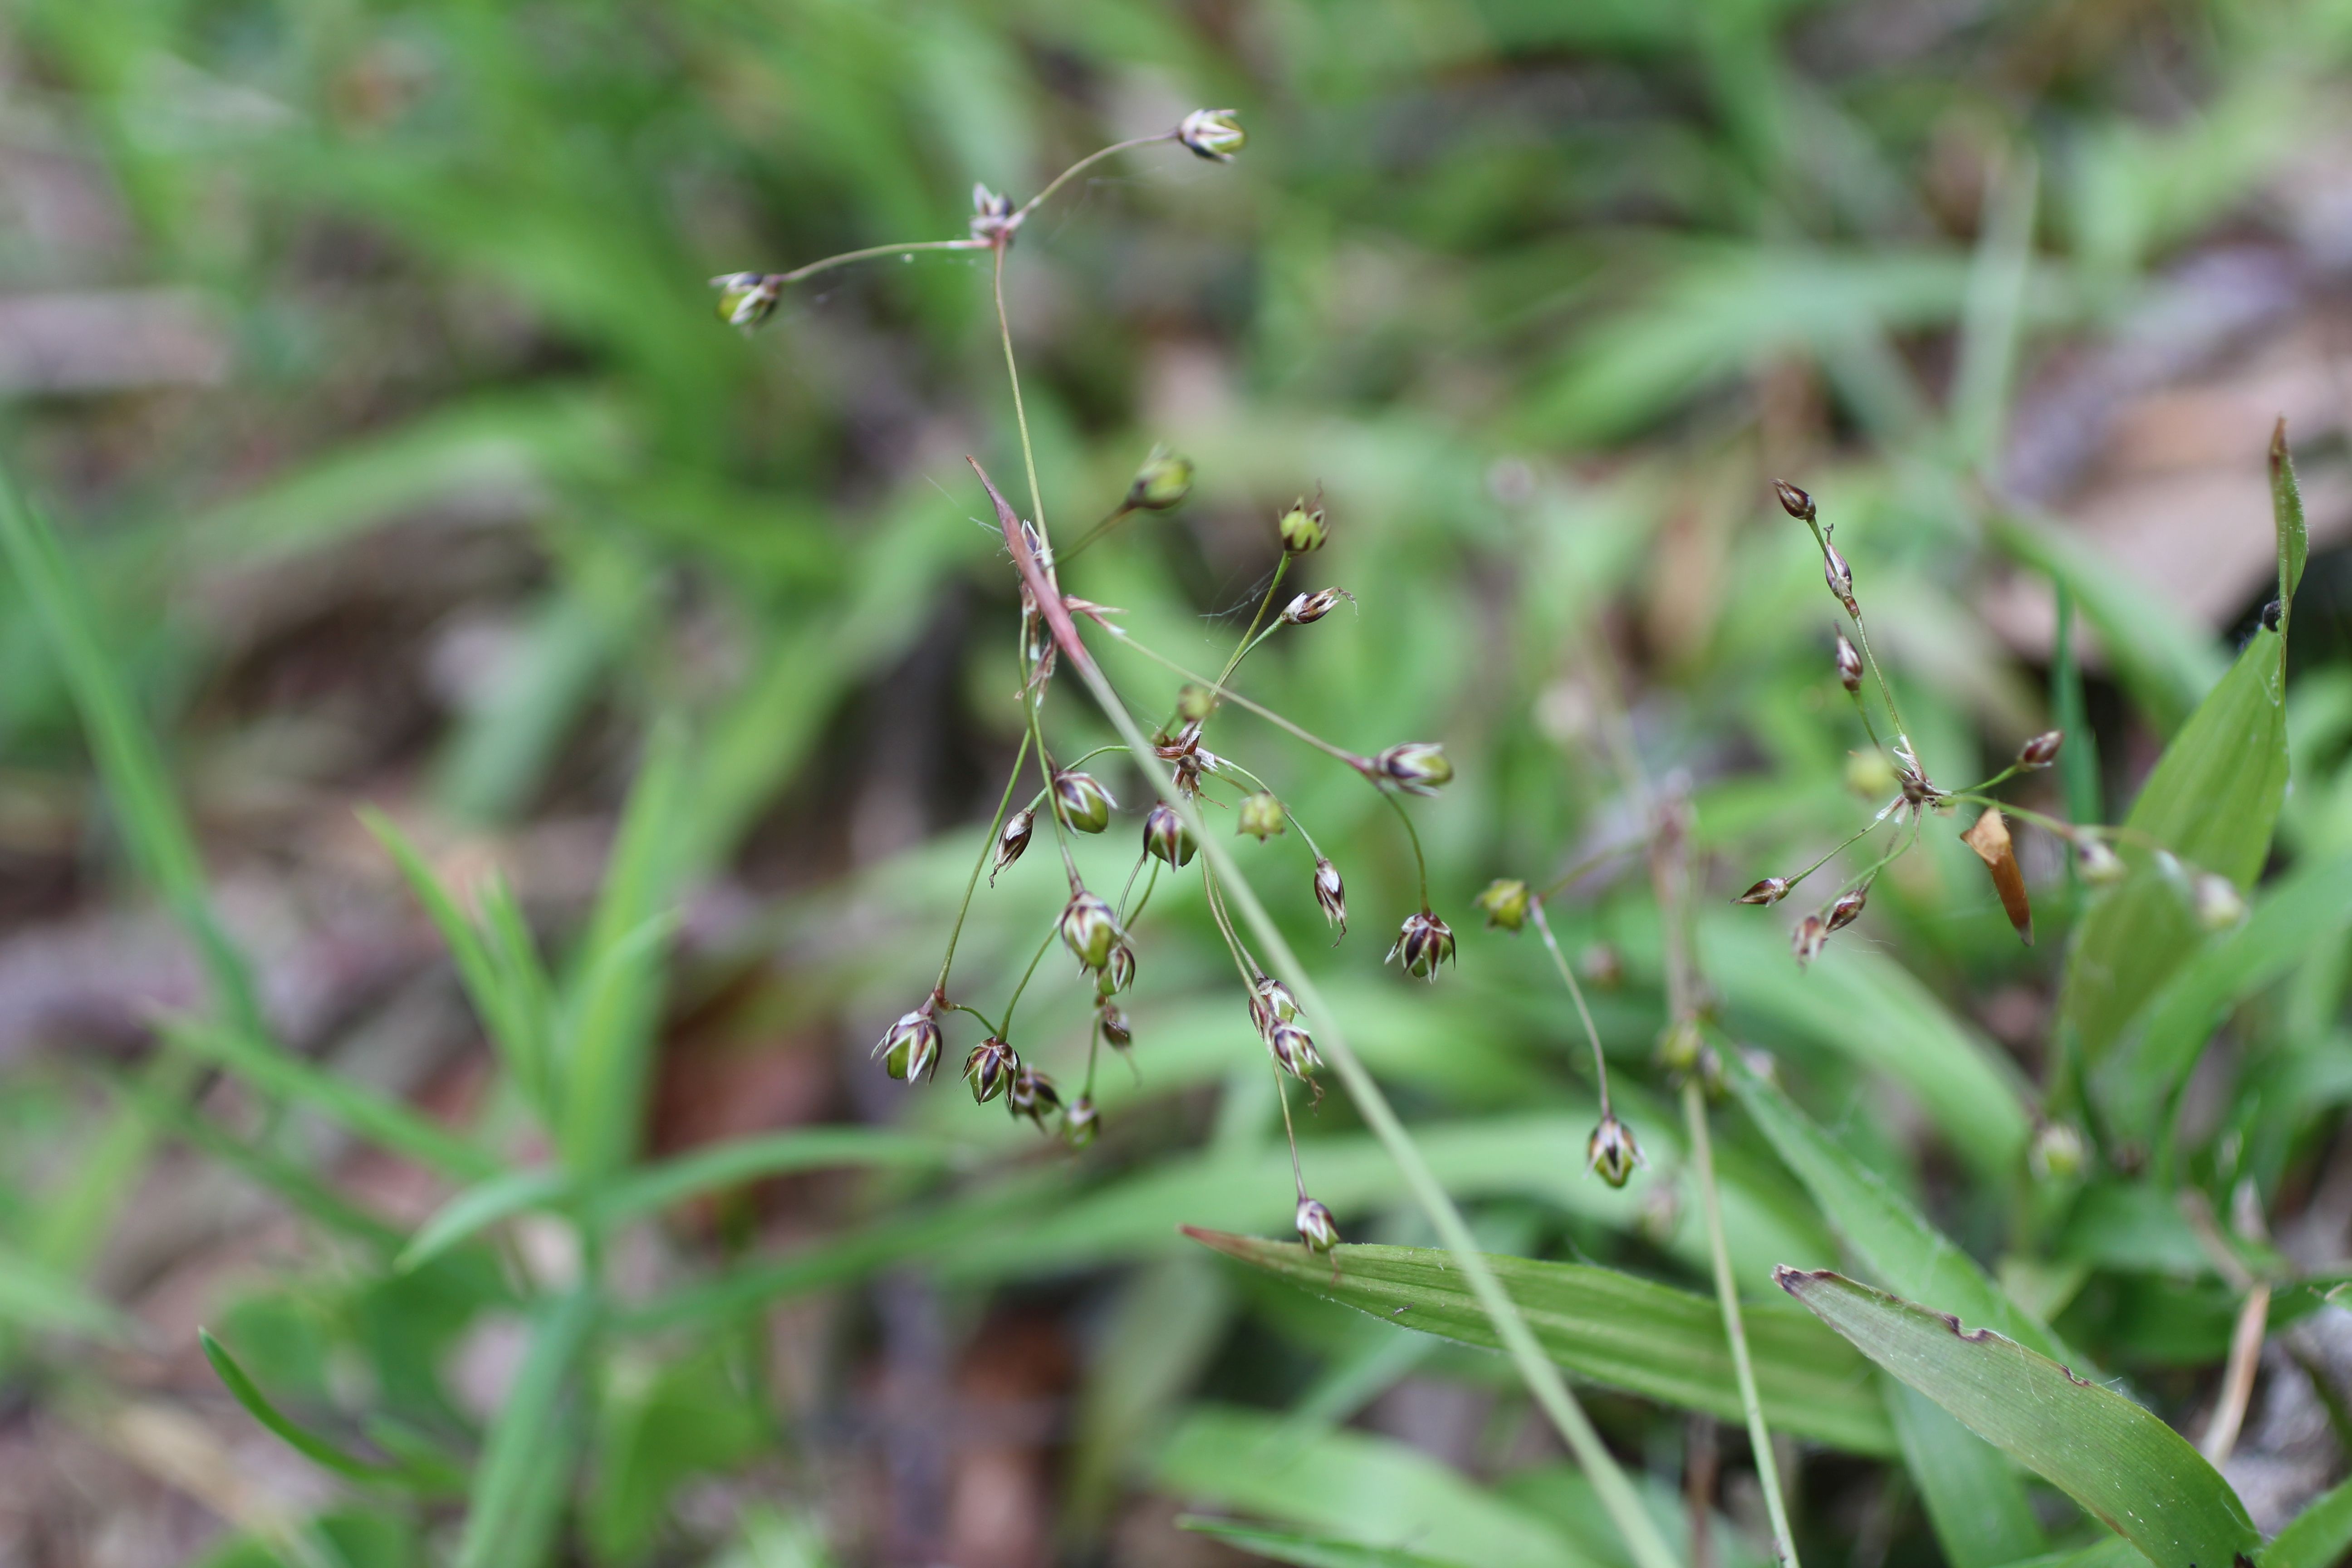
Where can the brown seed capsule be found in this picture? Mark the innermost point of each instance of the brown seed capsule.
(1770, 891)
(1013, 842)
(1120, 972)
(1308, 608)
(2041, 751)
(1293, 1049)
(1793, 502)
(1611, 1153)
(1271, 1003)
(1314, 1226)
(1848, 908)
(1990, 840)
(1213, 133)
(1849, 665)
(1807, 939)
(1032, 1094)
(1115, 1031)
(990, 1070)
(1302, 528)
(1840, 578)
(1332, 894)
(991, 216)
(1424, 943)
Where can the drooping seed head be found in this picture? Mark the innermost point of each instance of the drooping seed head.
(1090, 930)
(1302, 528)
(1116, 1030)
(909, 1048)
(2057, 1152)
(1332, 894)
(1212, 133)
(1013, 842)
(1275, 998)
(1120, 972)
(1164, 480)
(1849, 665)
(2098, 864)
(991, 216)
(1079, 1123)
(1847, 907)
(1166, 837)
(2041, 751)
(746, 300)
(2217, 902)
(1314, 1226)
(1260, 816)
(1086, 805)
(1423, 943)
(1293, 1049)
(1308, 608)
(1506, 902)
(1770, 891)
(1611, 1153)
(1793, 502)
(1416, 767)
(1032, 1094)
(990, 1070)
(1806, 941)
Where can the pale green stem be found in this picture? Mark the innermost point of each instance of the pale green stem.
(987, 848)
(1223, 694)
(1600, 1062)
(846, 256)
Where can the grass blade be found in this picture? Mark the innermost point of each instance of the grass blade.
(311, 1446)
(1305, 1551)
(526, 1466)
(1980, 1514)
(2124, 1466)
(1611, 1327)
(36, 1295)
(477, 1208)
(731, 1164)
(2319, 1536)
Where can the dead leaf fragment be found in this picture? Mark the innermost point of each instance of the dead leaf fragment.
(1990, 840)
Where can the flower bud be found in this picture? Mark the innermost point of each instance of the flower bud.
(2041, 751)
(747, 299)
(1770, 891)
(1032, 1094)
(1086, 805)
(1848, 908)
(1424, 943)
(909, 1048)
(1314, 1226)
(1302, 528)
(1260, 816)
(1120, 972)
(1679, 1044)
(1271, 1003)
(991, 216)
(2217, 902)
(1014, 841)
(1293, 1049)
(1308, 608)
(1793, 502)
(1416, 767)
(1079, 1123)
(1806, 941)
(1165, 480)
(1213, 133)
(1166, 837)
(2098, 864)
(1332, 894)
(1090, 930)
(1611, 1153)
(1117, 1033)
(1506, 902)
(2057, 1152)
(990, 1070)
(1840, 578)
(1849, 665)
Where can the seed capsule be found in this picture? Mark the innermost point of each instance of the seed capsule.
(2217, 902)
(1271, 1003)
(1611, 1153)
(1416, 767)
(1314, 1226)
(1079, 1123)
(1120, 972)
(1014, 841)
(990, 1070)
(1213, 133)
(1032, 1094)
(2041, 751)
(991, 216)
(1679, 1044)
(1086, 805)
(1090, 930)
(1194, 702)
(1115, 1031)
(1770, 891)
(1849, 665)
(1308, 608)
(1165, 479)
(1793, 502)
(1812, 933)
(1848, 908)
(1332, 894)
(746, 300)
(1840, 578)
(1166, 837)
(1506, 902)
(2098, 864)
(1260, 816)
(1302, 528)
(1293, 1049)
(1423, 943)
(909, 1048)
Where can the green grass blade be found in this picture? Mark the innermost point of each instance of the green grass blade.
(526, 1460)
(34, 1296)
(1305, 1551)
(479, 1207)
(2286, 520)
(137, 781)
(1979, 1509)
(311, 1446)
(378, 1118)
(1610, 1328)
(656, 1187)
(2125, 1467)
(521, 979)
(2318, 1537)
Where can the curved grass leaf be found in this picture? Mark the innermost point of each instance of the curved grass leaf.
(526, 1460)
(652, 1188)
(477, 1208)
(2125, 1467)
(311, 1446)
(1305, 1551)
(1612, 1328)
(34, 1296)
(2318, 1537)
(1979, 1509)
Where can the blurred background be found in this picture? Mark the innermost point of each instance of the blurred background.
(364, 357)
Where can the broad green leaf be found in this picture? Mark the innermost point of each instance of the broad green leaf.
(34, 1296)
(2150, 1061)
(480, 1206)
(526, 1460)
(2318, 1537)
(1305, 1551)
(1353, 1487)
(1981, 1515)
(1611, 1327)
(2126, 1469)
(376, 1117)
(1871, 1009)
(317, 1449)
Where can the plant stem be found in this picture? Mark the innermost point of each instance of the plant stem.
(1033, 203)
(987, 848)
(1225, 694)
(1600, 1062)
(1421, 862)
(1241, 651)
(1034, 959)
(828, 263)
